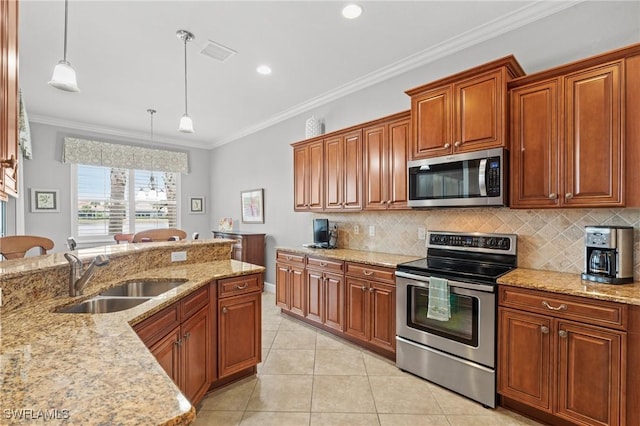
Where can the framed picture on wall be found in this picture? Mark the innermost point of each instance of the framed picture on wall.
(44, 200)
(196, 205)
(252, 206)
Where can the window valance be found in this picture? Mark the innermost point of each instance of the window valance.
(94, 153)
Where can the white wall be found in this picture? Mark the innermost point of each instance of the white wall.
(47, 171)
(264, 160)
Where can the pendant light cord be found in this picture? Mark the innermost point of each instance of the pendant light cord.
(66, 15)
(185, 75)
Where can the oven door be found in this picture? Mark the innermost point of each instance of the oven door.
(470, 332)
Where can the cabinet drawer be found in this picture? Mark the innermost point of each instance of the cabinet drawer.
(158, 325)
(238, 285)
(283, 256)
(360, 270)
(193, 302)
(592, 311)
(325, 264)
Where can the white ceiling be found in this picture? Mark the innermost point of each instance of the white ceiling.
(128, 58)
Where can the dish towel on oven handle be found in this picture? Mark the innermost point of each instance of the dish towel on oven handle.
(439, 306)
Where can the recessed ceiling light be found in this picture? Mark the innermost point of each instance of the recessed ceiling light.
(264, 69)
(351, 11)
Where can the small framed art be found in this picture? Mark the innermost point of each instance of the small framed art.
(196, 205)
(44, 200)
(252, 206)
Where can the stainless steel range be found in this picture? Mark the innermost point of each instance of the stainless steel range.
(446, 311)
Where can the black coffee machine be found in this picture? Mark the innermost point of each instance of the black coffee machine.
(609, 254)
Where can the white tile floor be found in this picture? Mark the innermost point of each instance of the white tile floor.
(309, 377)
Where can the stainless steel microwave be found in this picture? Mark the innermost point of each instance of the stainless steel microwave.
(470, 179)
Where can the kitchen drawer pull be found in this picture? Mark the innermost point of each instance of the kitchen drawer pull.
(242, 287)
(457, 143)
(367, 273)
(364, 288)
(225, 309)
(178, 342)
(562, 307)
(544, 329)
(553, 196)
(568, 195)
(323, 264)
(186, 335)
(372, 289)
(562, 333)
(447, 145)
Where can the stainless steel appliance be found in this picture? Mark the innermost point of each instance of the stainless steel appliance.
(458, 353)
(609, 254)
(470, 179)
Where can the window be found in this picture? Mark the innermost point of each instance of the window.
(112, 200)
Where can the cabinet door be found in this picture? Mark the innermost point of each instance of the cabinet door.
(316, 176)
(356, 308)
(352, 171)
(375, 167)
(535, 156)
(432, 123)
(334, 301)
(382, 310)
(333, 162)
(166, 351)
(300, 178)
(593, 137)
(238, 333)
(297, 291)
(9, 98)
(589, 373)
(196, 352)
(479, 112)
(314, 295)
(524, 358)
(396, 169)
(282, 285)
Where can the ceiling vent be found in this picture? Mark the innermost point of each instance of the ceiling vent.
(217, 51)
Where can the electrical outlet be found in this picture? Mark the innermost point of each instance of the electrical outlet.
(422, 233)
(178, 256)
(372, 230)
(356, 229)
(0, 297)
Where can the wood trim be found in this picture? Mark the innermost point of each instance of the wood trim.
(632, 127)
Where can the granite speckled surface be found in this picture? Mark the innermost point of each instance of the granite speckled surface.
(93, 369)
(572, 284)
(387, 260)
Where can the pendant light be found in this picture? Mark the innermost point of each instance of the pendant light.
(64, 76)
(186, 125)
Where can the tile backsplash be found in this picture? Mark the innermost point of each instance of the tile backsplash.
(547, 239)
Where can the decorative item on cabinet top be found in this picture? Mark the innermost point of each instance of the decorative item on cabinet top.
(313, 127)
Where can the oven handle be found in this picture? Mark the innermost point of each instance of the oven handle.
(481, 287)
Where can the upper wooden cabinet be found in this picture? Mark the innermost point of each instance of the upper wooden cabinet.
(308, 177)
(385, 150)
(9, 101)
(464, 112)
(568, 137)
(343, 171)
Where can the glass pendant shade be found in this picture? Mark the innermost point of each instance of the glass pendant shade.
(186, 125)
(64, 77)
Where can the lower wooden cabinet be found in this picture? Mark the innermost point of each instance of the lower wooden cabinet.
(324, 292)
(563, 363)
(370, 312)
(290, 282)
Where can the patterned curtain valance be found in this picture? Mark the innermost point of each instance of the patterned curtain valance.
(83, 151)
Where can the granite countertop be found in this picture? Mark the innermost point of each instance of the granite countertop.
(387, 260)
(93, 369)
(572, 284)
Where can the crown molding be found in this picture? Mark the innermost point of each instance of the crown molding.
(501, 25)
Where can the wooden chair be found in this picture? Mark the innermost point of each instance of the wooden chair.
(123, 238)
(164, 234)
(16, 246)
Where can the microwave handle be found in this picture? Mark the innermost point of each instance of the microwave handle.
(482, 174)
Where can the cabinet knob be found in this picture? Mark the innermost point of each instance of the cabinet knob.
(10, 163)
(186, 335)
(242, 287)
(568, 195)
(553, 196)
(371, 290)
(457, 143)
(447, 145)
(225, 309)
(364, 288)
(177, 342)
(562, 333)
(544, 329)
(562, 307)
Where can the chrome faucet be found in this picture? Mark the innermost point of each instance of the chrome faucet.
(79, 279)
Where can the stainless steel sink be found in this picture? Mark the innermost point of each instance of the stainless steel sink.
(143, 288)
(103, 305)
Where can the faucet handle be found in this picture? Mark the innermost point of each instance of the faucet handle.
(72, 258)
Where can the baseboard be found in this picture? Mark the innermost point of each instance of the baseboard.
(271, 288)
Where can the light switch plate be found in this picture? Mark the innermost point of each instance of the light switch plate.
(178, 256)
(422, 233)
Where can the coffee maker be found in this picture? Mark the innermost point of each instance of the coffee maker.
(609, 254)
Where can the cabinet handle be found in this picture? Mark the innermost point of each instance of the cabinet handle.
(241, 287)
(10, 163)
(553, 196)
(178, 342)
(562, 333)
(288, 257)
(544, 329)
(367, 273)
(364, 288)
(225, 310)
(447, 145)
(186, 335)
(457, 144)
(546, 304)
(323, 264)
(568, 195)
(371, 290)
